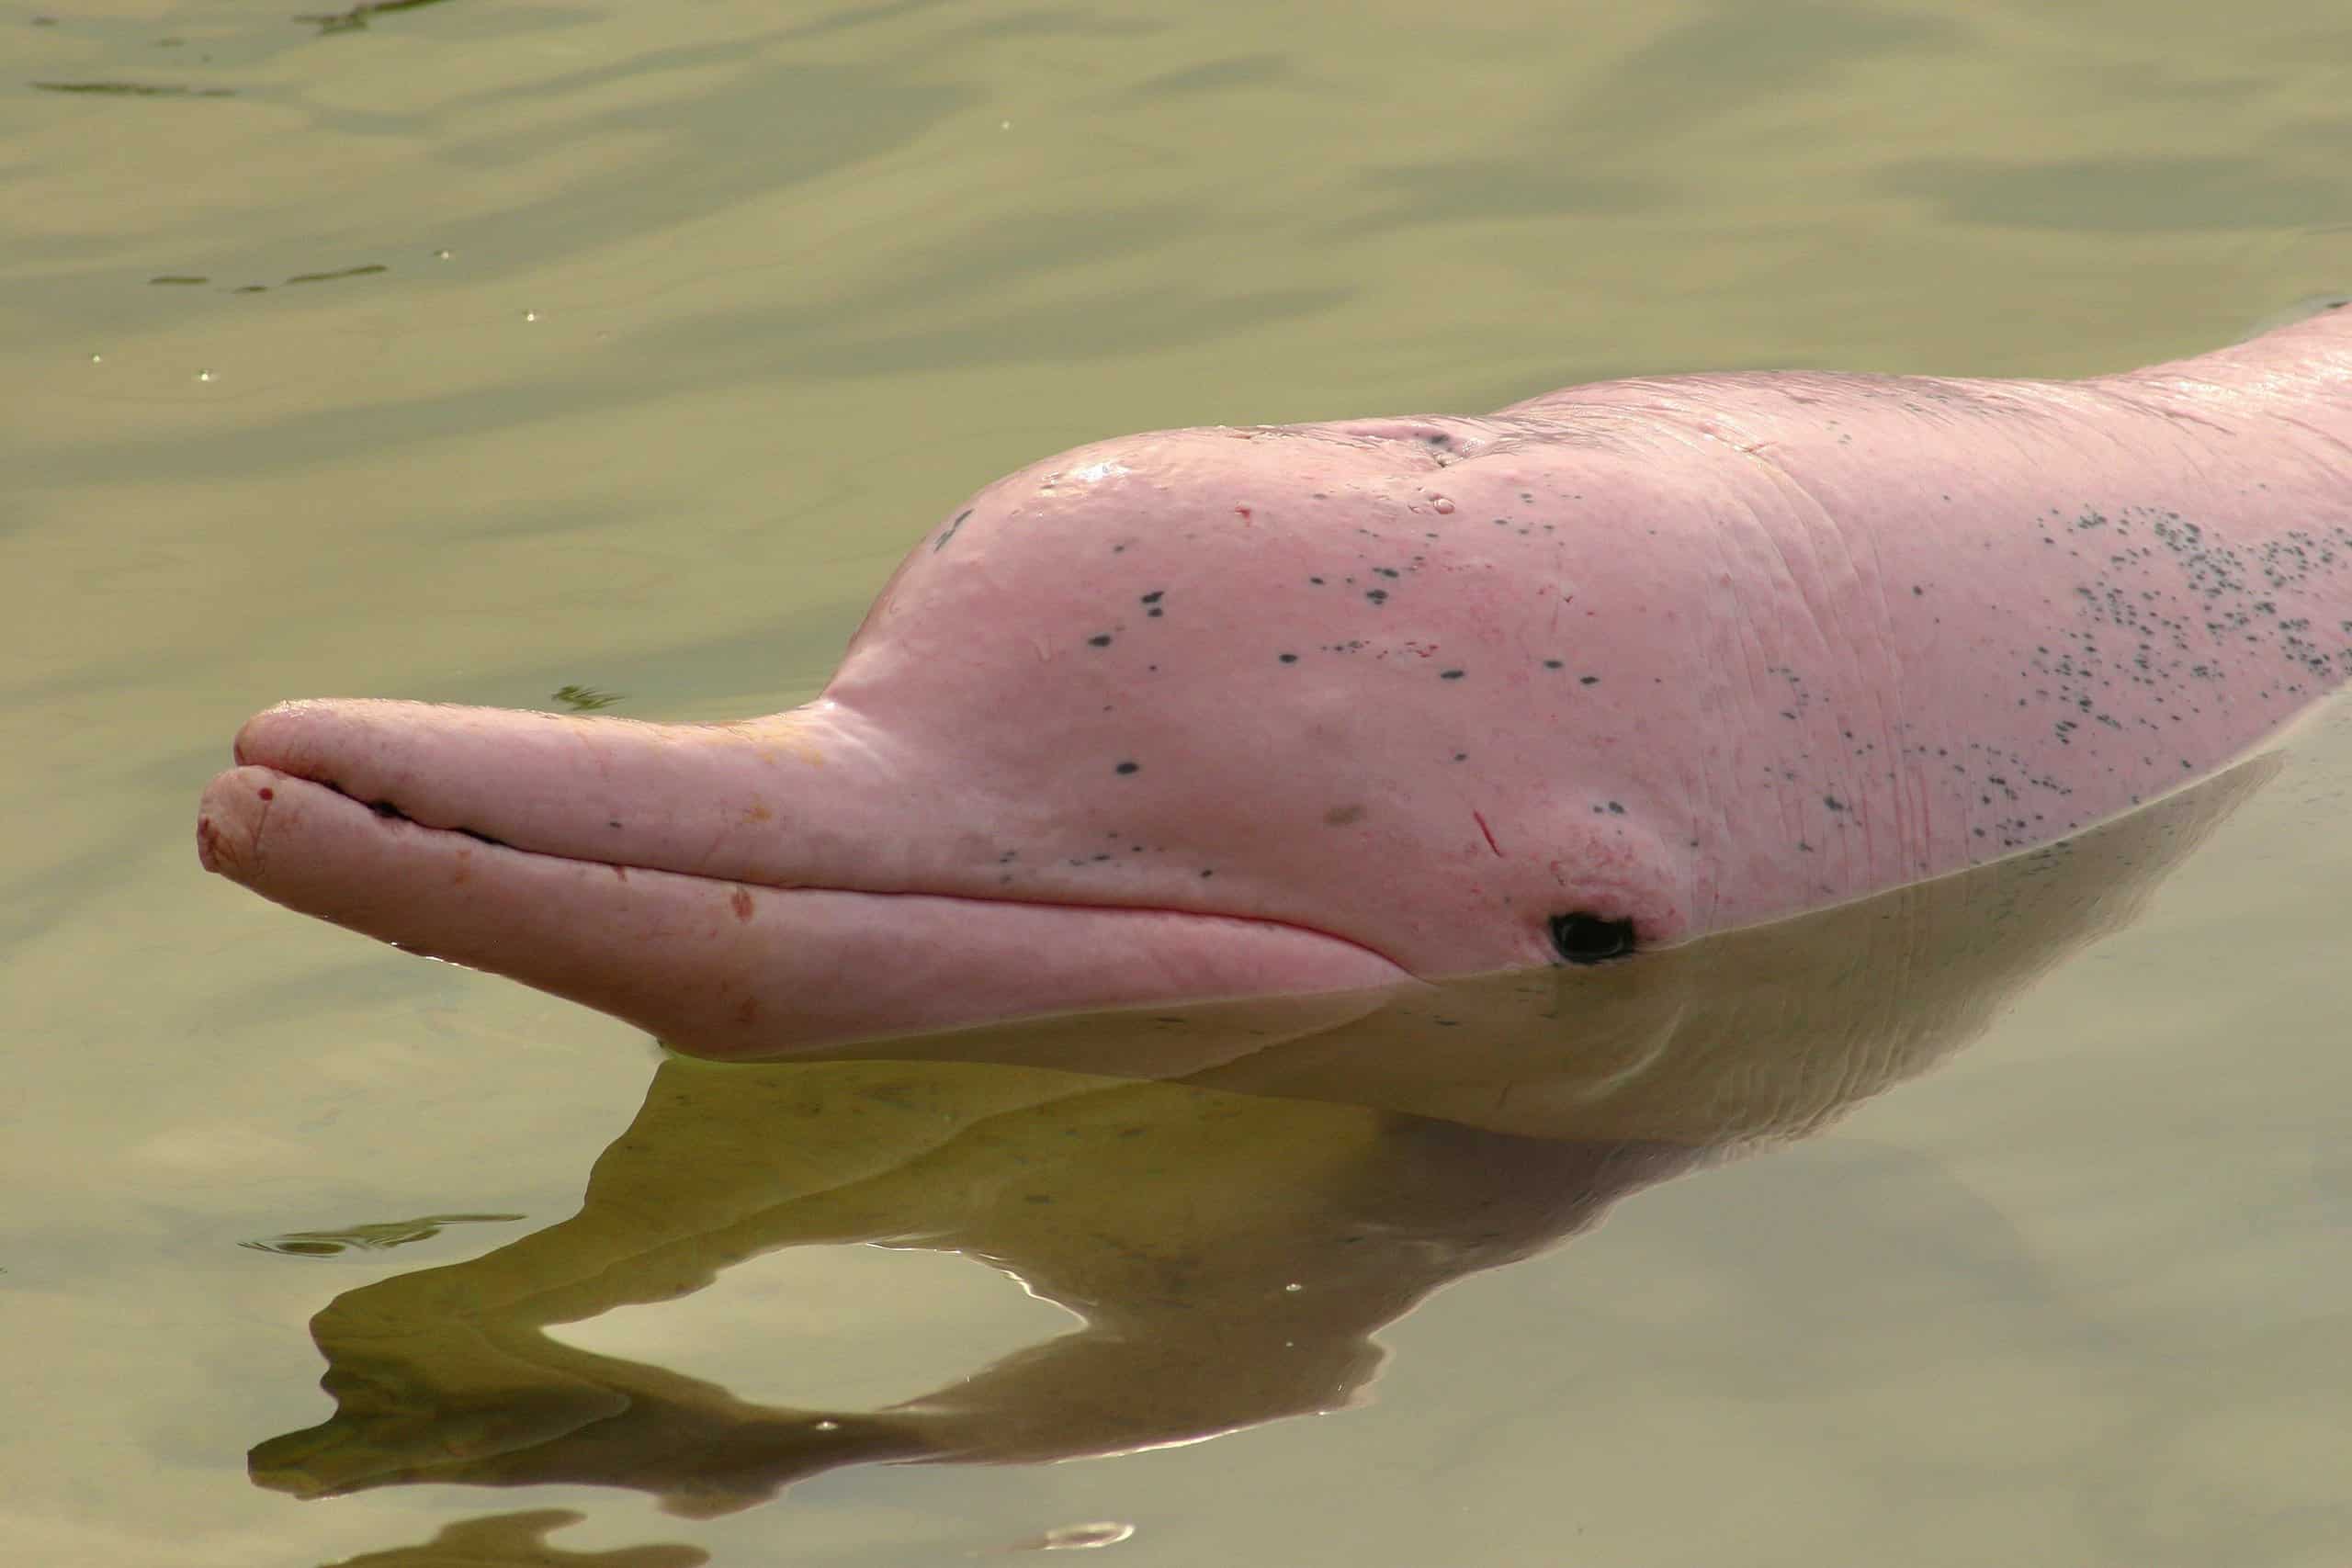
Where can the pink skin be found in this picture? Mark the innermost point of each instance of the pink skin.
(1227, 712)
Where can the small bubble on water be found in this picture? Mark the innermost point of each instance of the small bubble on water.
(530, 315)
(1078, 1538)
(204, 375)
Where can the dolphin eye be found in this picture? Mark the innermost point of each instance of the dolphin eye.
(1582, 938)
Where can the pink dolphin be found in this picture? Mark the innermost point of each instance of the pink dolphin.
(1221, 712)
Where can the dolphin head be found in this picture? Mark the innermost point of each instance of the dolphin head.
(1197, 713)
(1303, 674)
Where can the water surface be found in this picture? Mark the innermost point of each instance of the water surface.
(473, 351)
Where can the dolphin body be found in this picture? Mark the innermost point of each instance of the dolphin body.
(1349, 706)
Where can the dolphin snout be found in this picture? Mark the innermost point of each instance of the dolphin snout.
(230, 820)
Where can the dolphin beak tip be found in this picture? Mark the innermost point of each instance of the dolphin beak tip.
(229, 822)
(264, 735)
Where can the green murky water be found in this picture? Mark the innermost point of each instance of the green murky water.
(479, 350)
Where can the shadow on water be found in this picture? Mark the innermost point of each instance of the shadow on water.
(1233, 1197)
(519, 1541)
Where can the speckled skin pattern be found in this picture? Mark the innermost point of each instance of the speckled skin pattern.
(1222, 711)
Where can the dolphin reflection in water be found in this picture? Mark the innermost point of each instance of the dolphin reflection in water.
(1233, 1197)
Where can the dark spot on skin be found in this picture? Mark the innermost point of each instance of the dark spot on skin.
(740, 902)
(1287, 657)
(613, 822)
(1154, 596)
(1341, 816)
(1127, 767)
(942, 543)
(1449, 674)
(1554, 664)
(266, 793)
(1581, 937)
(1587, 679)
(1615, 810)
(1100, 640)
(1832, 802)
(1377, 595)
(1318, 583)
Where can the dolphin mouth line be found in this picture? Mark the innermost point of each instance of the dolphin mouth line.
(389, 811)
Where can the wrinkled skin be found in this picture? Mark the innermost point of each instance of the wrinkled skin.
(1225, 712)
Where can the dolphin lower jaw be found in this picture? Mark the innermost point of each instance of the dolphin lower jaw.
(729, 969)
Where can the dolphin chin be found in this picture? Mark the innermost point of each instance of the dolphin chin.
(725, 967)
